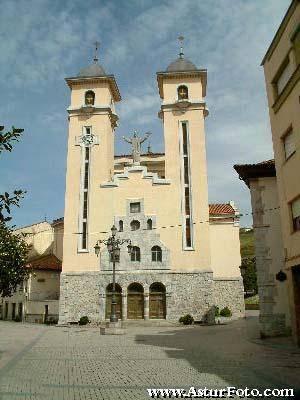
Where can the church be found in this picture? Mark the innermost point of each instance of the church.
(185, 254)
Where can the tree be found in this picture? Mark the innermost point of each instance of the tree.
(248, 270)
(13, 257)
(13, 248)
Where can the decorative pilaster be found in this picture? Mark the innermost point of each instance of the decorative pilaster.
(124, 307)
(146, 305)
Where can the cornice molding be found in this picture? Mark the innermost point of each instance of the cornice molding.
(132, 169)
(110, 79)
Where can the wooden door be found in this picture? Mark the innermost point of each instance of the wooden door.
(296, 282)
(135, 306)
(157, 308)
(118, 305)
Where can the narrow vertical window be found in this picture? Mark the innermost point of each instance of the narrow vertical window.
(83, 242)
(186, 188)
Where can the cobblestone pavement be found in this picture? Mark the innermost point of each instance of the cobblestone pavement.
(77, 363)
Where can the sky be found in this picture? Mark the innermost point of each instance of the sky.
(45, 41)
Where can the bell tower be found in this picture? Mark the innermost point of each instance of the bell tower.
(90, 160)
(182, 88)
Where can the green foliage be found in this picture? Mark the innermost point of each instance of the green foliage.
(217, 311)
(13, 249)
(248, 270)
(13, 257)
(225, 312)
(186, 319)
(84, 320)
(7, 138)
(247, 243)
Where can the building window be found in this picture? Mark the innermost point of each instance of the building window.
(40, 280)
(283, 75)
(135, 225)
(84, 195)
(182, 92)
(149, 224)
(295, 206)
(289, 144)
(186, 188)
(121, 226)
(296, 43)
(156, 253)
(89, 98)
(6, 310)
(136, 254)
(135, 207)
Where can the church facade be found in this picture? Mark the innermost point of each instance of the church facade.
(186, 253)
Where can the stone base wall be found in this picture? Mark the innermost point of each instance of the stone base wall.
(193, 293)
(229, 292)
(273, 325)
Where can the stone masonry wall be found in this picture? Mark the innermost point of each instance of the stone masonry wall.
(229, 292)
(84, 293)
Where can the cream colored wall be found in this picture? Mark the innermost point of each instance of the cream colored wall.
(287, 170)
(39, 237)
(48, 290)
(101, 169)
(170, 88)
(225, 249)
(58, 240)
(38, 307)
(101, 90)
(163, 201)
(288, 115)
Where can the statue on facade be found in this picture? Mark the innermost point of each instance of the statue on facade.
(136, 142)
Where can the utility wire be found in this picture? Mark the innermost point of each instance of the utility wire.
(212, 219)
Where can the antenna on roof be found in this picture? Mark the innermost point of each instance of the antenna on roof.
(181, 39)
(97, 45)
(45, 218)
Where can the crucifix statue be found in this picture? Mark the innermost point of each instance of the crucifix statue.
(136, 142)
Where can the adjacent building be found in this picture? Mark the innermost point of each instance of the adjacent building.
(274, 316)
(282, 74)
(37, 300)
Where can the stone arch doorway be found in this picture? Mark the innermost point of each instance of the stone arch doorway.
(135, 301)
(157, 300)
(118, 300)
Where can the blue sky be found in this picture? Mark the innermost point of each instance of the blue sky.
(44, 41)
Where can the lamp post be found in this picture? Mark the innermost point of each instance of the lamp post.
(113, 246)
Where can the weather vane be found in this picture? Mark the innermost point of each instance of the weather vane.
(181, 39)
(97, 45)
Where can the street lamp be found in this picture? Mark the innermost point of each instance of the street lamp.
(113, 246)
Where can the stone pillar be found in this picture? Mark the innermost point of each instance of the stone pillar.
(124, 307)
(102, 305)
(146, 305)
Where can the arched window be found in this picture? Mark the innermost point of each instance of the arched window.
(149, 224)
(135, 225)
(121, 226)
(182, 92)
(136, 254)
(89, 98)
(156, 253)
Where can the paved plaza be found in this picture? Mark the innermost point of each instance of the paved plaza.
(39, 362)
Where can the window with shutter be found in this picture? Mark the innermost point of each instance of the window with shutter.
(295, 206)
(289, 144)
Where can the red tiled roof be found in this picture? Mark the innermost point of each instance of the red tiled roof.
(48, 262)
(253, 171)
(221, 209)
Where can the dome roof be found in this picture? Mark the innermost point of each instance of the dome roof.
(181, 64)
(94, 69)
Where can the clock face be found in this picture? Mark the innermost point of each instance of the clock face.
(88, 139)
